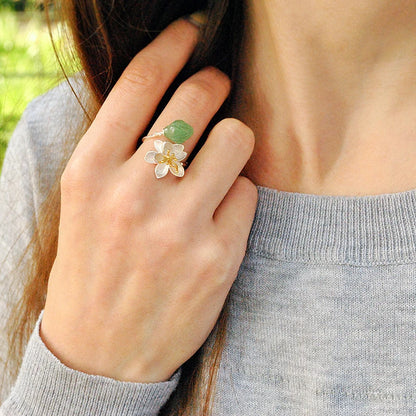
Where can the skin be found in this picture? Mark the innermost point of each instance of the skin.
(144, 265)
(329, 90)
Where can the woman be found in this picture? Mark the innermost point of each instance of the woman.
(318, 162)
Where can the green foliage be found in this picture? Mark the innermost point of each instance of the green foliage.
(28, 67)
(19, 5)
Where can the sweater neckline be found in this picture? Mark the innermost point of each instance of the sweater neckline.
(356, 230)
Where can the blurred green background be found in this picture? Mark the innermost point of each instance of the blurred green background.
(28, 66)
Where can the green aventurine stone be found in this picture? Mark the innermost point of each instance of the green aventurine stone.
(178, 131)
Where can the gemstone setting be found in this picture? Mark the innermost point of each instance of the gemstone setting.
(178, 131)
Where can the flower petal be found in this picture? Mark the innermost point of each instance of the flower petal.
(177, 150)
(159, 145)
(159, 157)
(161, 170)
(150, 156)
(181, 156)
(177, 169)
(167, 146)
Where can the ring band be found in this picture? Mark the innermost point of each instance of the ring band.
(168, 156)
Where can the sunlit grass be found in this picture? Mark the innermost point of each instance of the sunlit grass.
(28, 67)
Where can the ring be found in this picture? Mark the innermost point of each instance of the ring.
(168, 156)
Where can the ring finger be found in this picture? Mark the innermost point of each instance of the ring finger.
(196, 101)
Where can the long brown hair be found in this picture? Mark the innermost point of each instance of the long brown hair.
(106, 36)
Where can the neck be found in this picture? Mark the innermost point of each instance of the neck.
(330, 93)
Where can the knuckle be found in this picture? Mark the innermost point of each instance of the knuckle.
(230, 257)
(221, 79)
(204, 88)
(197, 93)
(214, 261)
(123, 206)
(237, 134)
(247, 187)
(142, 74)
(119, 125)
(223, 247)
(208, 255)
(213, 76)
(220, 276)
(75, 176)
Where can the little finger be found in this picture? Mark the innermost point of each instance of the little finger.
(217, 165)
(234, 216)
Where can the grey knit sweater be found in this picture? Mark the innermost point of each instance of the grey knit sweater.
(323, 311)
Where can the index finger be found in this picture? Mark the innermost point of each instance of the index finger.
(132, 102)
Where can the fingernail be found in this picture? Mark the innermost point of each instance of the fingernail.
(199, 19)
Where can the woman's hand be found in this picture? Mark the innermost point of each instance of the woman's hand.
(144, 265)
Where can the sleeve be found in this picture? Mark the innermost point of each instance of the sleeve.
(16, 212)
(45, 386)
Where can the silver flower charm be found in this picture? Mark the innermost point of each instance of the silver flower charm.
(168, 157)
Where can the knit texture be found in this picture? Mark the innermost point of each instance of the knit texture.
(96, 395)
(322, 312)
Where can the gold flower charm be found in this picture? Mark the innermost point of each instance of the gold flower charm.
(168, 157)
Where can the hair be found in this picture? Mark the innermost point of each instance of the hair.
(106, 36)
